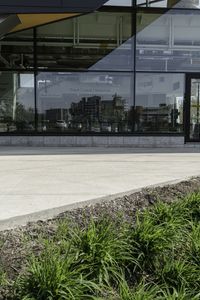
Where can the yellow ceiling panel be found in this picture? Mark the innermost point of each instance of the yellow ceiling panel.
(32, 20)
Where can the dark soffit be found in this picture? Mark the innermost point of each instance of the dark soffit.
(49, 6)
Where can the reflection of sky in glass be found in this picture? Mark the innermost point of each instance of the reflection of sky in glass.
(26, 80)
(119, 2)
(180, 4)
(169, 42)
(162, 3)
(25, 92)
(61, 89)
(120, 58)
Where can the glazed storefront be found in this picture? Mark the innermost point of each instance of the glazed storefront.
(131, 70)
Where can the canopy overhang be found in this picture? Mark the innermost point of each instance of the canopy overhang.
(17, 15)
(49, 6)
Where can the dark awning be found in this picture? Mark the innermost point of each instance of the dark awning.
(49, 6)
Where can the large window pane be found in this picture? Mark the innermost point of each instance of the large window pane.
(168, 42)
(97, 41)
(193, 4)
(84, 102)
(16, 51)
(16, 102)
(195, 109)
(159, 103)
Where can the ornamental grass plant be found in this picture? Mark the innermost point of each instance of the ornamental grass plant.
(155, 257)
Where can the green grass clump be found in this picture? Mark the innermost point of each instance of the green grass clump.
(103, 249)
(155, 258)
(189, 208)
(52, 276)
(3, 277)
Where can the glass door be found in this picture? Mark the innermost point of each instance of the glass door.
(192, 116)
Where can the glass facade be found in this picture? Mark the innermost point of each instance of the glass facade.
(98, 41)
(84, 102)
(194, 132)
(16, 51)
(120, 70)
(17, 112)
(159, 102)
(168, 42)
(191, 4)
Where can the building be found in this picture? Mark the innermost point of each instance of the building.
(99, 72)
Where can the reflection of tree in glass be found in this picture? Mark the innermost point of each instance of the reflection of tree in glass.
(6, 110)
(24, 117)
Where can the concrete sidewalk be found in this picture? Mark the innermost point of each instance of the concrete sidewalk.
(34, 180)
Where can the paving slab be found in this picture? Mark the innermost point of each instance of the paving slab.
(36, 181)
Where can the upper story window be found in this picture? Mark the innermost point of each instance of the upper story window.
(168, 42)
(96, 41)
(16, 51)
(192, 4)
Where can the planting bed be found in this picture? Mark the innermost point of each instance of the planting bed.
(119, 254)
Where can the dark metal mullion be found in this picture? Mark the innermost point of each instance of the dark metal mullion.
(35, 76)
(134, 31)
(187, 108)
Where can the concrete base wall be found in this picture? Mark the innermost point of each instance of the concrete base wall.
(93, 141)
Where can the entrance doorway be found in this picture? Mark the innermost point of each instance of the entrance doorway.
(192, 108)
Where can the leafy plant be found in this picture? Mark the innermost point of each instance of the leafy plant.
(103, 249)
(156, 258)
(51, 277)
